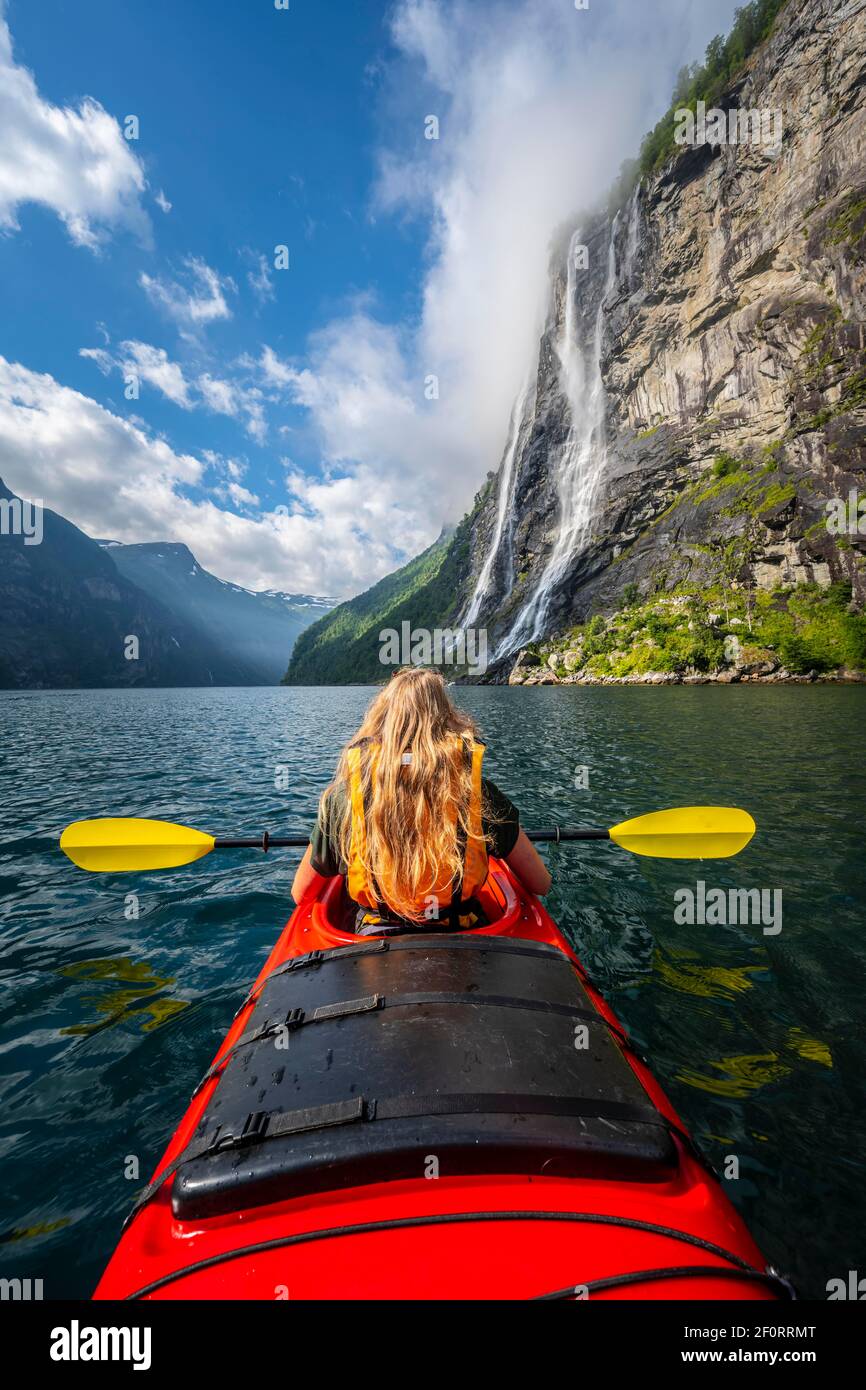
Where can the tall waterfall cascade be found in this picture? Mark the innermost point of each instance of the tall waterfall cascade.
(521, 415)
(582, 462)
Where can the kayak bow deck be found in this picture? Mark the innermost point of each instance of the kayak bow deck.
(434, 1115)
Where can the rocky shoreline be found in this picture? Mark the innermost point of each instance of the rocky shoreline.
(540, 675)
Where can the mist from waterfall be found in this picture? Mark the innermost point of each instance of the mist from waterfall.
(504, 524)
(583, 458)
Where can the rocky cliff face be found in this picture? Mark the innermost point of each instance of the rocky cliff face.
(732, 329)
(700, 395)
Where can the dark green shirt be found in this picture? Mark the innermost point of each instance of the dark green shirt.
(500, 820)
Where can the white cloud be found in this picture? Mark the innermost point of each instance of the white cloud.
(59, 444)
(367, 409)
(277, 372)
(149, 364)
(101, 356)
(73, 161)
(241, 402)
(197, 301)
(230, 489)
(152, 364)
(237, 494)
(260, 279)
(220, 395)
(112, 478)
(162, 202)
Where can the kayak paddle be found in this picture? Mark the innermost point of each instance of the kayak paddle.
(126, 844)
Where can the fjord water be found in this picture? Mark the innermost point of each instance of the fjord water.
(107, 1021)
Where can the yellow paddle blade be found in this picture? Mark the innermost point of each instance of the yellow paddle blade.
(119, 845)
(687, 832)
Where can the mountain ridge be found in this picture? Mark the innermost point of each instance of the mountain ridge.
(256, 628)
(71, 607)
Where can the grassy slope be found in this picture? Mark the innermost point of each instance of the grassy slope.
(799, 629)
(343, 647)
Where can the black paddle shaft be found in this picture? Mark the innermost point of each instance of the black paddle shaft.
(556, 835)
(559, 833)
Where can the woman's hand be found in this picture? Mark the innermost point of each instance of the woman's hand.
(529, 866)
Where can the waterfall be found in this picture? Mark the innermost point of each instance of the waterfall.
(504, 508)
(582, 462)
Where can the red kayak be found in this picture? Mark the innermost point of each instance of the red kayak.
(432, 1115)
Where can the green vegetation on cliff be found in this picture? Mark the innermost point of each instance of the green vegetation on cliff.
(343, 647)
(697, 631)
(707, 81)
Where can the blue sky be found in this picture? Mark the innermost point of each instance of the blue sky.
(283, 426)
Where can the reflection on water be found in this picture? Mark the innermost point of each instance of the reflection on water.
(106, 1024)
(42, 1228)
(740, 1075)
(117, 1004)
(682, 971)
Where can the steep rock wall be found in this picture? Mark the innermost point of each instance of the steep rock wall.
(734, 327)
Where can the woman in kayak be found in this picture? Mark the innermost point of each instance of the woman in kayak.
(409, 820)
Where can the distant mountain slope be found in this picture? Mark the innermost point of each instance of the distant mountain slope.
(343, 647)
(257, 630)
(68, 612)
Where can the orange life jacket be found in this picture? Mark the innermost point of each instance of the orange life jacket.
(361, 889)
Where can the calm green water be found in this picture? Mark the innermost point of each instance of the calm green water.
(107, 1023)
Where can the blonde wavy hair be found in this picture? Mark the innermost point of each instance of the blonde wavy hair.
(413, 834)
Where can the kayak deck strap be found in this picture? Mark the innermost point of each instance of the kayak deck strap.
(769, 1277)
(258, 1126)
(411, 1107)
(348, 1008)
(415, 941)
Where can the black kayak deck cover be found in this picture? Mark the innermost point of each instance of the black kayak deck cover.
(420, 1055)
